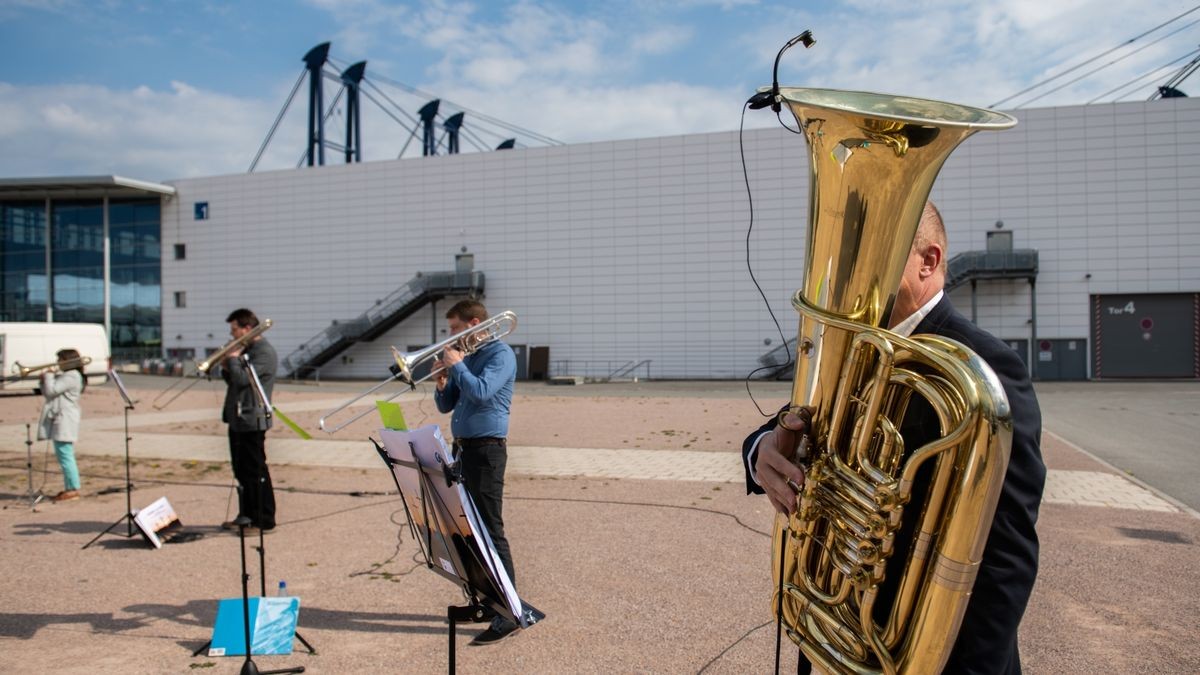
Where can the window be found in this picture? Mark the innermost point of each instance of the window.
(181, 251)
(181, 299)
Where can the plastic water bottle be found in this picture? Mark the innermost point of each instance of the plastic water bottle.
(282, 589)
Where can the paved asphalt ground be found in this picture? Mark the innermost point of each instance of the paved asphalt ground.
(645, 560)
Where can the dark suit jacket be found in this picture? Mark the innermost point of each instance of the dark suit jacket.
(242, 410)
(987, 641)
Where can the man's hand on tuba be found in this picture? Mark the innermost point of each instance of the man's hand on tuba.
(774, 467)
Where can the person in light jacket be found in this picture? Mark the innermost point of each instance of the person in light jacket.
(59, 421)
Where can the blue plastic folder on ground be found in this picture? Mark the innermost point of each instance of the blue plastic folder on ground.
(272, 626)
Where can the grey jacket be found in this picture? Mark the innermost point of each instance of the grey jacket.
(242, 410)
(60, 414)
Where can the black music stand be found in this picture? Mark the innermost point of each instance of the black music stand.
(128, 517)
(261, 393)
(265, 401)
(34, 496)
(446, 526)
(248, 666)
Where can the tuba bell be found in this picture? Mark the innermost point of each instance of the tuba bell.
(844, 594)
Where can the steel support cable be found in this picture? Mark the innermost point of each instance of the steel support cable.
(1183, 74)
(1094, 58)
(474, 143)
(370, 83)
(1114, 61)
(278, 118)
(406, 143)
(385, 110)
(478, 115)
(413, 120)
(474, 139)
(328, 115)
(1139, 78)
(480, 131)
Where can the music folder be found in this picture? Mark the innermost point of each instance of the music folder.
(453, 539)
(158, 522)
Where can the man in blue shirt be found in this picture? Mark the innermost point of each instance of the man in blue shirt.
(477, 389)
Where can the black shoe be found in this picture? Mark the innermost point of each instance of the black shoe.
(500, 629)
(229, 525)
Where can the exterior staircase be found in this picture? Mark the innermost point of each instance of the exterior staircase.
(402, 303)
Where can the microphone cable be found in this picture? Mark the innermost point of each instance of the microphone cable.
(758, 101)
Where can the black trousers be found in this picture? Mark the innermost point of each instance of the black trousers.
(256, 499)
(482, 461)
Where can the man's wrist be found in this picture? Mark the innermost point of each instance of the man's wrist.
(752, 459)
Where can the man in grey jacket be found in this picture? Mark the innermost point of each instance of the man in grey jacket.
(249, 421)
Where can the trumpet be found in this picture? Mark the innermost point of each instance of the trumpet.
(468, 342)
(204, 366)
(58, 366)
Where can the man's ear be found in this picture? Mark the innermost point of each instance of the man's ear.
(931, 260)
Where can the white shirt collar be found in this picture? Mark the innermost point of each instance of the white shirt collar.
(907, 326)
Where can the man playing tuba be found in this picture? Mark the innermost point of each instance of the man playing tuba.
(987, 638)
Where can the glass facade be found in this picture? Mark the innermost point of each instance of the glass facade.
(69, 273)
(135, 271)
(23, 285)
(77, 261)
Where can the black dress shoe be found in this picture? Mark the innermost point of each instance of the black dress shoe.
(500, 629)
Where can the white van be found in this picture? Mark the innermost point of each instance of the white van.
(33, 344)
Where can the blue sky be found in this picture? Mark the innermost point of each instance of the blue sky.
(173, 88)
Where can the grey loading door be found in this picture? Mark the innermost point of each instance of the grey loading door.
(1145, 335)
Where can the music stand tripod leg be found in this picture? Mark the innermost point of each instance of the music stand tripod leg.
(262, 577)
(34, 495)
(128, 517)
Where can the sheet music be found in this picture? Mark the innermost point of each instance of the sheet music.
(430, 450)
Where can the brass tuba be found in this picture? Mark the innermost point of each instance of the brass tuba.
(873, 160)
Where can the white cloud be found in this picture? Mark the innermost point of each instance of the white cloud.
(661, 40)
(143, 133)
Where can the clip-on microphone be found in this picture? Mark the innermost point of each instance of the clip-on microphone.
(771, 98)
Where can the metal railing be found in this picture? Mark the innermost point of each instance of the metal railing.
(599, 370)
(1014, 264)
(382, 315)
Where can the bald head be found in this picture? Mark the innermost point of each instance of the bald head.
(925, 271)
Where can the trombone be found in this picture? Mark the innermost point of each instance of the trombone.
(23, 372)
(204, 366)
(468, 342)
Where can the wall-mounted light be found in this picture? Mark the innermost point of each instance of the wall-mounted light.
(999, 224)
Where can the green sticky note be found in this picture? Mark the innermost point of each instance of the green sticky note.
(392, 416)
